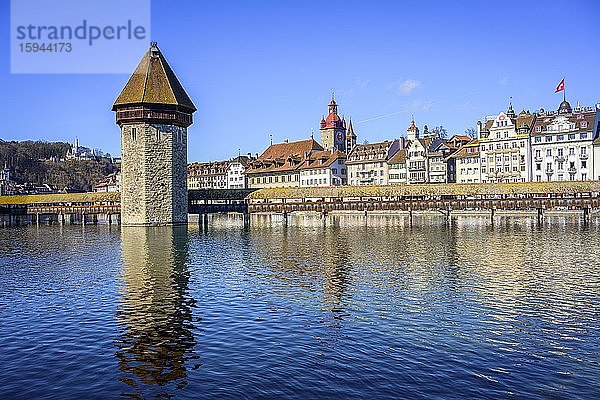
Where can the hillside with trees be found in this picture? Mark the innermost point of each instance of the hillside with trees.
(45, 162)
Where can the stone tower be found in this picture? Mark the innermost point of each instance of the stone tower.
(333, 129)
(412, 133)
(153, 112)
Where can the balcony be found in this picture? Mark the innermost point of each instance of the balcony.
(572, 170)
(549, 171)
(583, 156)
(538, 158)
(559, 158)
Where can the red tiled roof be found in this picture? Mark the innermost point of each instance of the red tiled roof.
(399, 157)
(321, 159)
(577, 118)
(470, 149)
(281, 157)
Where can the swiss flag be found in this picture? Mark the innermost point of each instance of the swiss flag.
(561, 86)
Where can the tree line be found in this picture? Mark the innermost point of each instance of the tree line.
(40, 162)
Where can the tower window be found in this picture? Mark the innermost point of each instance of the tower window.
(133, 134)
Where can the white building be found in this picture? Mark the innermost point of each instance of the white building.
(324, 168)
(468, 164)
(208, 175)
(79, 152)
(562, 144)
(278, 165)
(367, 163)
(110, 183)
(596, 153)
(236, 178)
(397, 171)
(504, 147)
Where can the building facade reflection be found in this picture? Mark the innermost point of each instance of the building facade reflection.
(156, 344)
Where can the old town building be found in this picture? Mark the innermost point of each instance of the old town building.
(596, 152)
(110, 183)
(278, 165)
(467, 162)
(333, 131)
(324, 168)
(504, 147)
(422, 158)
(6, 185)
(397, 171)
(208, 175)
(236, 176)
(562, 144)
(367, 163)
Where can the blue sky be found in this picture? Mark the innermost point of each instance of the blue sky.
(268, 67)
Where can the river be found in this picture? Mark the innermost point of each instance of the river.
(356, 307)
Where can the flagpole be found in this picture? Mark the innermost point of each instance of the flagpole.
(564, 90)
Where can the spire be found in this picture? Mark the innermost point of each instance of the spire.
(510, 112)
(154, 82)
(332, 104)
(350, 128)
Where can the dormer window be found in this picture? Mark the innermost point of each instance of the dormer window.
(538, 128)
(584, 124)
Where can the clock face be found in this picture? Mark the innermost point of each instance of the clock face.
(340, 136)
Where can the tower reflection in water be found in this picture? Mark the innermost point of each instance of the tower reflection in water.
(156, 342)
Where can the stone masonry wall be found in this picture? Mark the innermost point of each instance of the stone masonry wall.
(154, 174)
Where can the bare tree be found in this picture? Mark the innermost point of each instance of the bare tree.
(440, 131)
(471, 132)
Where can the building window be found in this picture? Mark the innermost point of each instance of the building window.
(133, 134)
(584, 124)
(548, 138)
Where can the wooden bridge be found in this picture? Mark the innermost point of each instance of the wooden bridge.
(535, 197)
(538, 197)
(83, 208)
(209, 201)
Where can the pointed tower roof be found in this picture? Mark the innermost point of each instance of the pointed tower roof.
(412, 126)
(154, 82)
(350, 128)
(510, 112)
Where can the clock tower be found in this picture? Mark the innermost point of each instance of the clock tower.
(333, 129)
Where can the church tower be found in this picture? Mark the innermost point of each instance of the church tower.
(412, 132)
(350, 137)
(153, 112)
(333, 129)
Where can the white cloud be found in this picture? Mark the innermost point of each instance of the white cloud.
(361, 83)
(503, 81)
(420, 105)
(404, 86)
(409, 85)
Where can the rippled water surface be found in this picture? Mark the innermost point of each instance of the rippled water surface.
(353, 308)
